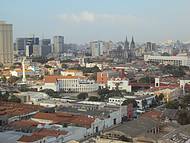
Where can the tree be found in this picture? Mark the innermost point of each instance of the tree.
(4, 97)
(183, 117)
(172, 104)
(146, 80)
(51, 93)
(82, 96)
(165, 54)
(93, 98)
(130, 101)
(13, 79)
(13, 98)
(3, 79)
(161, 97)
(144, 103)
(177, 71)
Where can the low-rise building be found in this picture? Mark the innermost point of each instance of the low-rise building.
(19, 72)
(71, 73)
(70, 84)
(179, 60)
(119, 84)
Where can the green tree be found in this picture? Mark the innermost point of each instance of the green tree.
(172, 104)
(82, 96)
(3, 79)
(93, 98)
(183, 117)
(51, 93)
(146, 80)
(144, 103)
(13, 98)
(165, 54)
(13, 79)
(130, 101)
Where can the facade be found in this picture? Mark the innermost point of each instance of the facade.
(58, 44)
(76, 84)
(21, 46)
(172, 60)
(103, 77)
(70, 84)
(45, 45)
(6, 43)
(117, 101)
(30, 42)
(120, 84)
(19, 73)
(72, 73)
(36, 51)
(97, 48)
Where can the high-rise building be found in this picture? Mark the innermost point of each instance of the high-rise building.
(97, 48)
(6, 43)
(45, 46)
(150, 46)
(21, 46)
(30, 42)
(58, 44)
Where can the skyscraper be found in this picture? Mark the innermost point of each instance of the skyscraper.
(45, 45)
(29, 45)
(97, 48)
(6, 43)
(58, 44)
(21, 46)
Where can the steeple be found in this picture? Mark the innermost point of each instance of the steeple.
(126, 46)
(132, 46)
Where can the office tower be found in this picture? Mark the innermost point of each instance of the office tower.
(6, 43)
(30, 42)
(21, 46)
(45, 46)
(97, 48)
(150, 46)
(58, 44)
(36, 51)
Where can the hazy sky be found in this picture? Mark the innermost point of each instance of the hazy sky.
(84, 20)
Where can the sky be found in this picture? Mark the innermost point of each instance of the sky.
(81, 21)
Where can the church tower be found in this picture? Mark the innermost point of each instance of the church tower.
(132, 45)
(126, 50)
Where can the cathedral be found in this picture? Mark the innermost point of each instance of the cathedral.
(129, 50)
(124, 54)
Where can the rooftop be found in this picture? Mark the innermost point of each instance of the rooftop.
(11, 109)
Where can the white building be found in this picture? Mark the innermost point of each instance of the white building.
(97, 48)
(144, 102)
(19, 72)
(76, 84)
(120, 84)
(72, 73)
(117, 100)
(69, 84)
(179, 60)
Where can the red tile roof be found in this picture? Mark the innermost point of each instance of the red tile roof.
(24, 124)
(54, 78)
(31, 138)
(48, 132)
(62, 117)
(153, 114)
(16, 109)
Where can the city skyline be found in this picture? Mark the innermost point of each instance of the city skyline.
(83, 21)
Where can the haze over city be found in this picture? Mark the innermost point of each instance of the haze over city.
(94, 71)
(84, 20)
